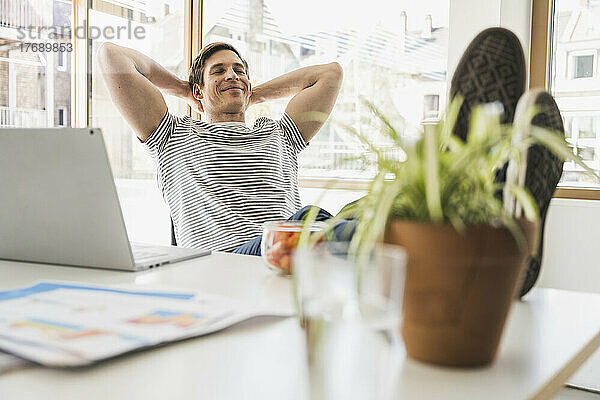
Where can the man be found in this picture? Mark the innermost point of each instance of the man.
(220, 179)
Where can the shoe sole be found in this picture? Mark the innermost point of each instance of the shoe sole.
(543, 172)
(491, 69)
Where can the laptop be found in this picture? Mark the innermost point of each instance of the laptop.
(59, 204)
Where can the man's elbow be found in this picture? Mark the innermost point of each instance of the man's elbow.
(335, 71)
(106, 55)
(103, 54)
(105, 49)
(331, 76)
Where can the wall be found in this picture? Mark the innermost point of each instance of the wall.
(571, 260)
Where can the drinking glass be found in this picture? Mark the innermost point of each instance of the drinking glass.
(350, 307)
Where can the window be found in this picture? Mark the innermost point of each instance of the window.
(586, 153)
(396, 59)
(62, 117)
(127, 156)
(163, 34)
(585, 128)
(573, 82)
(61, 61)
(583, 66)
(32, 84)
(431, 106)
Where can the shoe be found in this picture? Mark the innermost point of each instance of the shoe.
(543, 171)
(492, 69)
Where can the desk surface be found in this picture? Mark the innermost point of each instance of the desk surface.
(547, 338)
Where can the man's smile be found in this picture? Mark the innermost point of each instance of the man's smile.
(233, 88)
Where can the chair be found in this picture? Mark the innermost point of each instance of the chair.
(173, 240)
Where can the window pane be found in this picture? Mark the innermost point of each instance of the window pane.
(586, 153)
(394, 59)
(158, 23)
(576, 41)
(586, 128)
(584, 66)
(34, 86)
(431, 106)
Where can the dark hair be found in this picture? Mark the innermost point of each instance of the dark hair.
(197, 70)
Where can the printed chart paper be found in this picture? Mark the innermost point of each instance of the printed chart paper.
(70, 324)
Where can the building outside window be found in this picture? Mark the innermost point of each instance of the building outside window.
(574, 82)
(33, 84)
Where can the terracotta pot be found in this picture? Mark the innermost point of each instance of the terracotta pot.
(458, 290)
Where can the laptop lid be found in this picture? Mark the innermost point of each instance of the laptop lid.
(58, 199)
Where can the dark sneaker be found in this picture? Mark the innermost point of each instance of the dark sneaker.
(492, 69)
(544, 169)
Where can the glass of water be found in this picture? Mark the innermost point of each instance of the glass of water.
(350, 308)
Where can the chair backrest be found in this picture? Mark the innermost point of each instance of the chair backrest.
(173, 240)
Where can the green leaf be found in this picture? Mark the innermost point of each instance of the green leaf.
(448, 122)
(309, 219)
(516, 231)
(526, 201)
(432, 185)
(557, 144)
(390, 130)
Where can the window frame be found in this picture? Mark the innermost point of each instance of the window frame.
(539, 76)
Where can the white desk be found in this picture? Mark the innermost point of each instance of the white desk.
(547, 338)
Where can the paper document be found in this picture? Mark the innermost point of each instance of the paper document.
(70, 324)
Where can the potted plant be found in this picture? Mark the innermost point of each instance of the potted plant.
(466, 247)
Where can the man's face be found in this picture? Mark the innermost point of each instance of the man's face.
(226, 85)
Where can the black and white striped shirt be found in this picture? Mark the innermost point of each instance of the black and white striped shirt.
(221, 181)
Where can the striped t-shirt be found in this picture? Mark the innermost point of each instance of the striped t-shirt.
(221, 181)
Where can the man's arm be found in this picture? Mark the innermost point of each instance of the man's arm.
(133, 81)
(314, 88)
